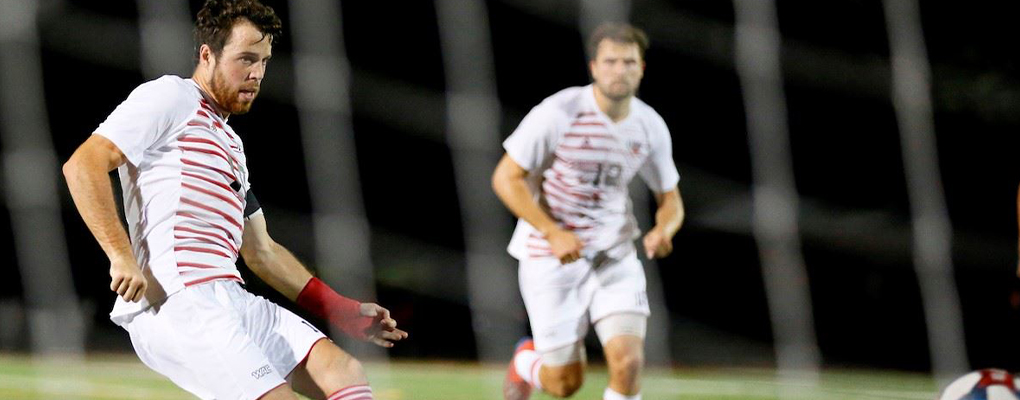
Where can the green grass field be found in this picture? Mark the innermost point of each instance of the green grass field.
(123, 377)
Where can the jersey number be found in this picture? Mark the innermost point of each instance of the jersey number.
(608, 175)
(310, 326)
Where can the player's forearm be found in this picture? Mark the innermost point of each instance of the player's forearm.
(670, 214)
(517, 197)
(278, 267)
(88, 180)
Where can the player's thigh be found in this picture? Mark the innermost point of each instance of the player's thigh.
(622, 336)
(154, 343)
(557, 298)
(573, 354)
(621, 324)
(285, 338)
(621, 289)
(282, 392)
(327, 370)
(573, 371)
(197, 338)
(562, 370)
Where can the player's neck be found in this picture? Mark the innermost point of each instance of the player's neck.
(616, 110)
(203, 84)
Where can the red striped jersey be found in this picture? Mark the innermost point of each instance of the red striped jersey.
(184, 187)
(580, 164)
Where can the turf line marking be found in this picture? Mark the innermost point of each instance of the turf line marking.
(767, 389)
(65, 387)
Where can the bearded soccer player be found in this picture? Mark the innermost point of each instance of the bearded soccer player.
(565, 175)
(191, 211)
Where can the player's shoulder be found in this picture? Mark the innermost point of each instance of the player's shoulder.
(644, 110)
(168, 98)
(167, 90)
(167, 84)
(647, 113)
(564, 103)
(569, 98)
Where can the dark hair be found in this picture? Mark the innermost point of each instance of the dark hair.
(617, 32)
(217, 18)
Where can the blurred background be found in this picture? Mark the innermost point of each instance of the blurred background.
(420, 94)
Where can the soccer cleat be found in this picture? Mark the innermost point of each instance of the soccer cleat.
(514, 387)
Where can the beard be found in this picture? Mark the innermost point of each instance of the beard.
(617, 91)
(227, 97)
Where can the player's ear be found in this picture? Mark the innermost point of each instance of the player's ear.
(206, 55)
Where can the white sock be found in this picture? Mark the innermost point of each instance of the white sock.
(528, 363)
(611, 394)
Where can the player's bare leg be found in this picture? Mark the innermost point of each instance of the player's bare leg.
(562, 381)
(281, 392)
(331, 373)
(528, 371)
(625, 356)
(520, 374)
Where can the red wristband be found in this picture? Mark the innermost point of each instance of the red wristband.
(340, 311)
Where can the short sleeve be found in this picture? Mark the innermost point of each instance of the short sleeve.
(532, 143)
(659, 171)
(146, 116)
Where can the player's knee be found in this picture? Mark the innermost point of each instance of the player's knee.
(349, 367)
(626, 364)
(282, 392)
(564, 385)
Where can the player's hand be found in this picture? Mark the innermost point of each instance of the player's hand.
(657, 245)
(565, 245)
(383, 330)
(127, 279)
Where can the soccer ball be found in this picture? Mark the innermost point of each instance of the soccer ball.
(985, 384)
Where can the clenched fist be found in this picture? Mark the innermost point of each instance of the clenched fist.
(564, 245)
(657, 245)
(127, 280)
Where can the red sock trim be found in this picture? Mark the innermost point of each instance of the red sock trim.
(353, 392)
(345, 388)
(536, 376)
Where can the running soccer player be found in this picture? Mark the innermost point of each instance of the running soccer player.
(565, 175)
(191, 211)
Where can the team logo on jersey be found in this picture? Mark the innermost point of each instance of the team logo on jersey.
(262, 371)
(635, 147)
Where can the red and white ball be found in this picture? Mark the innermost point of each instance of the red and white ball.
(985, 384)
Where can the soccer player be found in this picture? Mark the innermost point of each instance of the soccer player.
(190, 212)
(565, 175)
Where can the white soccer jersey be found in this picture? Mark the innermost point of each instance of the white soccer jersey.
(580, 163)
(184, 187)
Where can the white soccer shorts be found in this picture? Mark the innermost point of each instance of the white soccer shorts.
(219, 341)
(562, 300)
